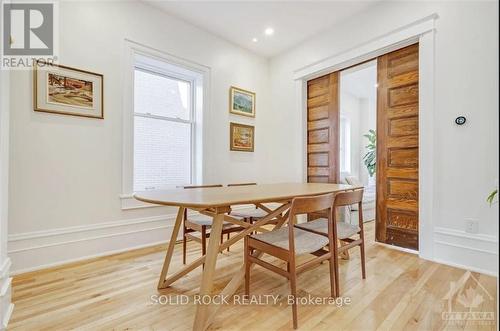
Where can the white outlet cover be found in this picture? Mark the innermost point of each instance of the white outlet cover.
(471, 225)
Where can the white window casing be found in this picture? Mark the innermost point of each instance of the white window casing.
(162, 133)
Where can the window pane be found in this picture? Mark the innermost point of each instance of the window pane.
(161, 96)
(162, 153)
(345, 145)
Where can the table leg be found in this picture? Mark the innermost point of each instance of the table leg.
(196, 263)
(202, 310)
(238, 278)
(171, 246)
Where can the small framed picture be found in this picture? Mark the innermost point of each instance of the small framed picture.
(241, 137)
(241, 102)
(63, 90)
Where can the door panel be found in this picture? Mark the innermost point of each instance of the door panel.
(318, 159)
(322, 129)
(397, 148)
(318, 136)
(318, 113)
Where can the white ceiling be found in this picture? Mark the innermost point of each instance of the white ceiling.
(240, 21)
(360, 80)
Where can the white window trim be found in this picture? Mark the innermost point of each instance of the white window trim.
(200, 107)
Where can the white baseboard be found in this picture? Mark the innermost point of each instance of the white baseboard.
(4, 268)
(467, 267)
(43, 249)
(84, 258)
(6, 316)
(397, 248)
(475, 252)
(6, 307)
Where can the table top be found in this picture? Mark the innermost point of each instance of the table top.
(237, 195)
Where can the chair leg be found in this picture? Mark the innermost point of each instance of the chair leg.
(332, 248)
(228, 237)
(184, 244)
(362, 236)
(363, 266)
(247, 268)
(293, 290)
(336, 269)
(203, 241)
(250, 220)
(333, 278)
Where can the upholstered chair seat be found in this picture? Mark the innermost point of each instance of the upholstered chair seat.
(320, 225)
(305, 242)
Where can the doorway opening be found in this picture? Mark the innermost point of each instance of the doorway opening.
(357, 130)
(363, 129)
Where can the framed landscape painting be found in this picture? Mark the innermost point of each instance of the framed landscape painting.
(64, 90)
(241, 102)
(241, 137)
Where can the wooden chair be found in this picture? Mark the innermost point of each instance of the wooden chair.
(287, 242)
(344, 231)
(201, 223)
(253, 215)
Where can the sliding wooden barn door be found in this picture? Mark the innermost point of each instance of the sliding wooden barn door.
(322, 129)
(397, 148)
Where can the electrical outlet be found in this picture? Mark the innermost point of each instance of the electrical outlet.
(471, 225)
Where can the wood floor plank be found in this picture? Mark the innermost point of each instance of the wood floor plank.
(114, 292)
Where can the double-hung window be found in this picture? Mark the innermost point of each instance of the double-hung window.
(165, 102)
(164, 129)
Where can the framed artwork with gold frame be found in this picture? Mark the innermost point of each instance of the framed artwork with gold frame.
(241, 102)
(64, 90)
(241, 137)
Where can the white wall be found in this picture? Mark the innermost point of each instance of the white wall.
(5, 281)
(466, 83)
(66, 171)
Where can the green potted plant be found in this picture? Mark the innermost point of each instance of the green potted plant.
(492, 196)
(370, 158)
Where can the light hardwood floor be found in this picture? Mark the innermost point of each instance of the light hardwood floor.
(114, 293)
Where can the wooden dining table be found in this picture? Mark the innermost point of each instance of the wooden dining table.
(217, 203)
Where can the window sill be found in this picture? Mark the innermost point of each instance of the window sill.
(128, 202)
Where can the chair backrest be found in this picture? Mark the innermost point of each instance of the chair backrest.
(311, 204)
(198, 186)
(348, 198)
(201, 186)
(305, 205)
(242, 184)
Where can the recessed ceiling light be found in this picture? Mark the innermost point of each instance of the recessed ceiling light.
(269, 31)
(255, 40)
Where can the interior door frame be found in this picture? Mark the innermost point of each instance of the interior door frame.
(423, 32)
